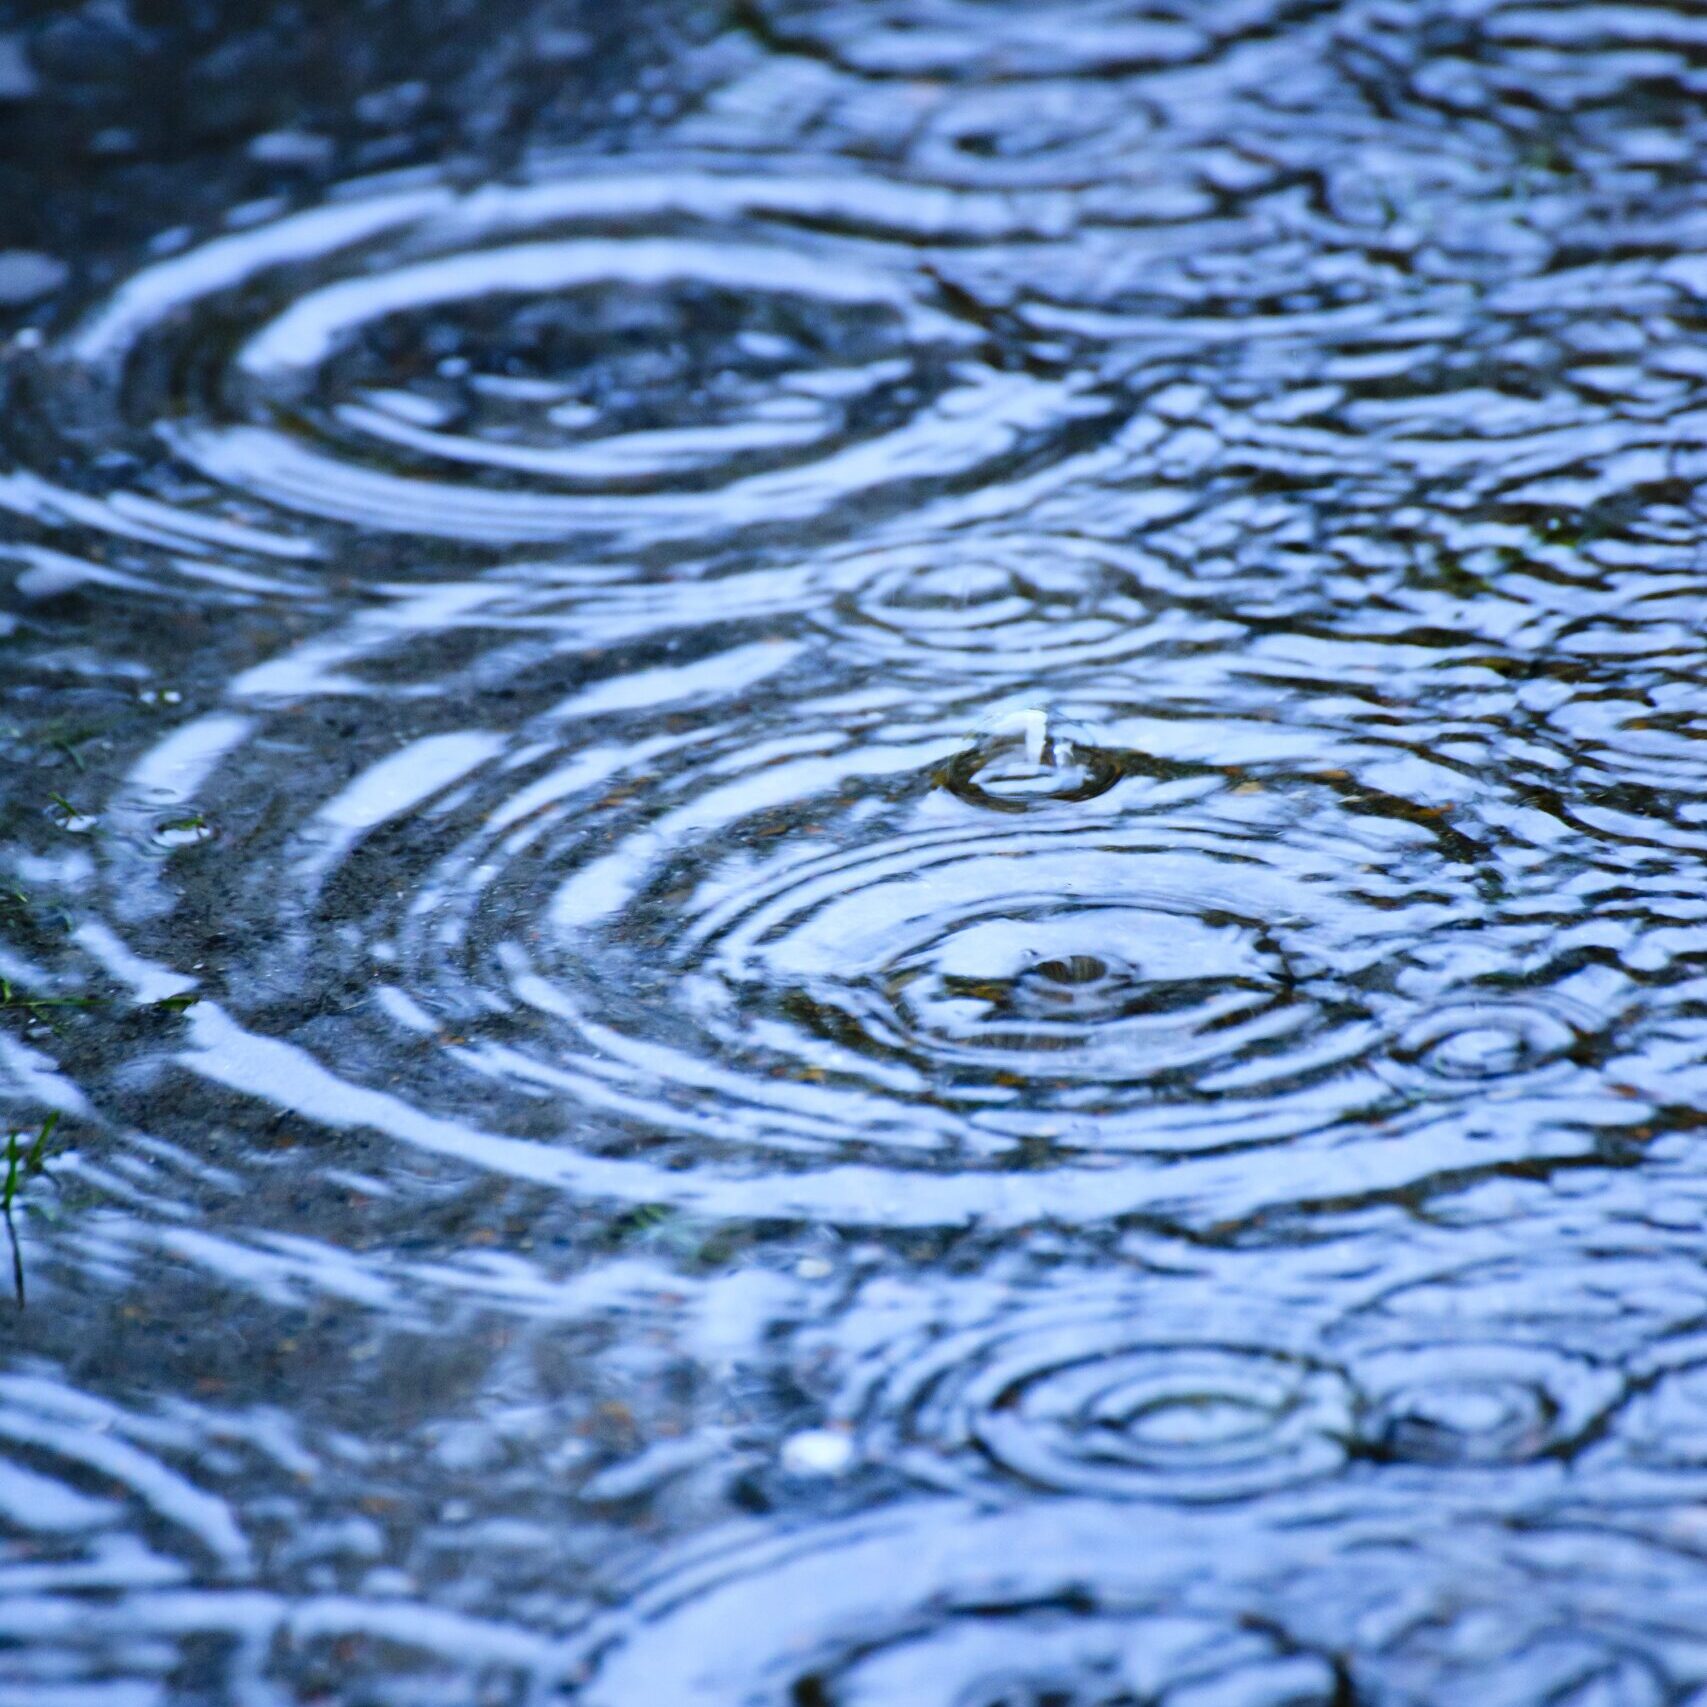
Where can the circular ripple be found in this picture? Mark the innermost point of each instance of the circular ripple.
(978, 39)
(1465, 1044)
(1104, 1402)
(1050, 135)
(1010, 605)
(678, 943)
(1026, 985)
(1070, 1602)
(1102, 986)
(1515, 1358)
(1554, 1285)
(943, 1606)
(659, 355)
(1471, 1405)
(1027, 759)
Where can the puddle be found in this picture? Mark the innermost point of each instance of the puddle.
(852, 854)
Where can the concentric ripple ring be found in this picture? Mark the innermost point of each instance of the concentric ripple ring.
(651, 355)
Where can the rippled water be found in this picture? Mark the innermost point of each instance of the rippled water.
(856, 847)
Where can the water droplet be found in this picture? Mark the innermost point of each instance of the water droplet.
(817, 1452)
(1024, 759)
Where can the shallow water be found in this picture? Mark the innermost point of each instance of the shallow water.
(857, 848)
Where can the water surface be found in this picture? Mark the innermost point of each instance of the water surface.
(857, 851)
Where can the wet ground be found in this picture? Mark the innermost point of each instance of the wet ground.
(852, 854)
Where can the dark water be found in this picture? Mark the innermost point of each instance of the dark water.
(858, 848)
